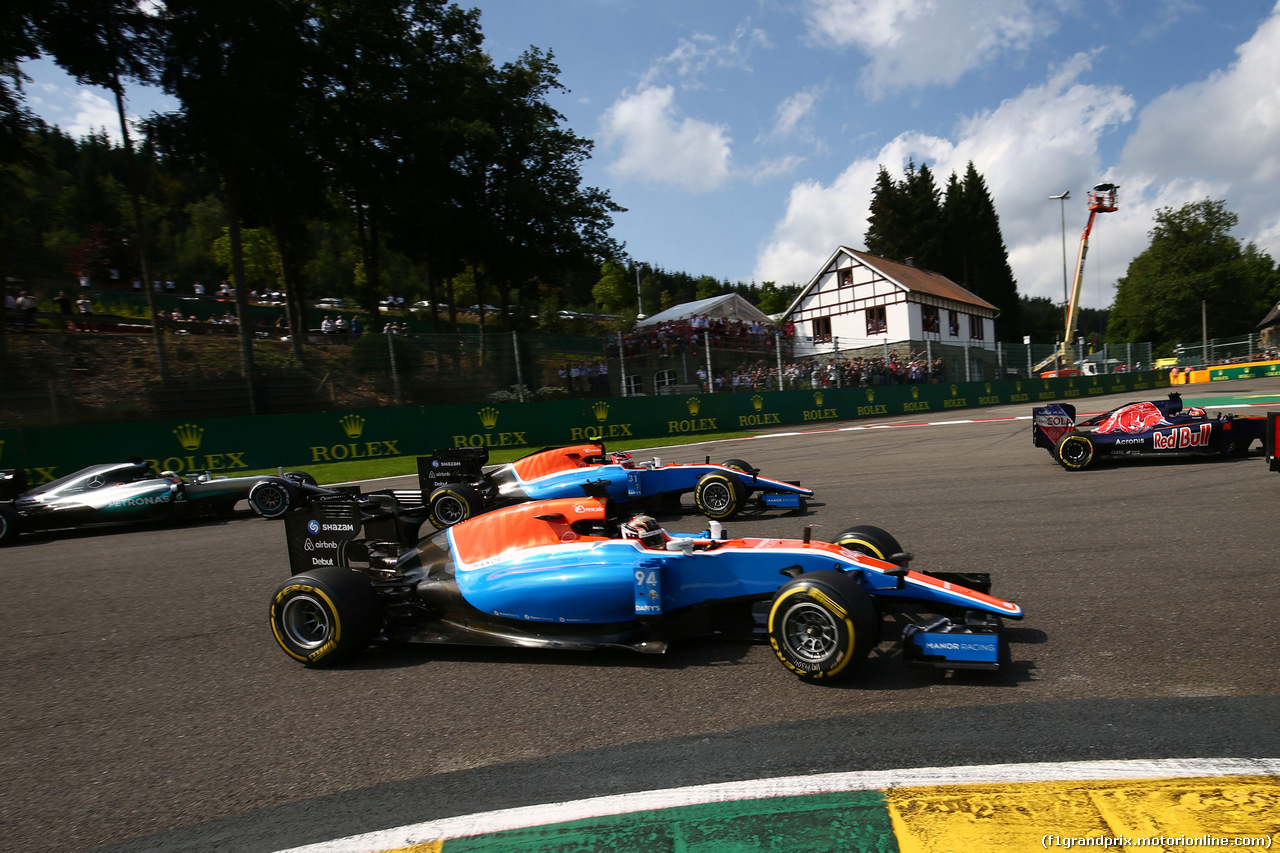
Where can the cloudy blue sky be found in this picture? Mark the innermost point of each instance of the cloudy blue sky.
(744, 136)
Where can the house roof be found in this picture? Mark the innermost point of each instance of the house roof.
(730, 305)
(910, 277)
(1272, 318)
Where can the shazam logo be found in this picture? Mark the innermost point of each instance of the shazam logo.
(189, 436)
(601, 410)
(352, 425)
(313, 526)
(488, 417)
(694, 404)
(757, 402)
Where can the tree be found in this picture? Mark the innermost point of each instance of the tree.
(973, 253)
(610, 291)
(1192, 265)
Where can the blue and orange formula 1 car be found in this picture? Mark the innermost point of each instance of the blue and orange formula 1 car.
(566, 574)
(457, 488)
(1162, 428)
(132, 492)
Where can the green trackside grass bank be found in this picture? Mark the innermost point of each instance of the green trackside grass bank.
(381, 442)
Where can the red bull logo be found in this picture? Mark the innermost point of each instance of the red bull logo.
(1138, 417)
(1183, 437)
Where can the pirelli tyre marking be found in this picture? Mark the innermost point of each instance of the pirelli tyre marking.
(305, 622)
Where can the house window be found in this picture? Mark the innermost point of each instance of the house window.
(846, 278)
(955, 324)
(821, 330)
(877, 320)
(929, 317)
(631, 385)
(662, 379)
(975, 327)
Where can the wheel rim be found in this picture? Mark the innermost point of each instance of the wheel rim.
(305, 622)
(269, 499)
(716, 497)
(450, 510)
(1075, 451)
(810, 632)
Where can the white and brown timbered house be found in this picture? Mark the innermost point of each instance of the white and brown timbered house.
(860, 300)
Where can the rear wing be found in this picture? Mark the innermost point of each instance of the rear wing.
(332, 530)
(1051, 422)
(452, 465)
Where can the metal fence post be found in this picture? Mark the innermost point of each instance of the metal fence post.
(395, 374)
(706, 345)
(777, 349)
(515, 353)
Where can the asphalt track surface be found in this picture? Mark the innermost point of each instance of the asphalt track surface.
(146, 707)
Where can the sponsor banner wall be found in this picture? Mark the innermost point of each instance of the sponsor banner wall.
(1244, 371)
(233, 445)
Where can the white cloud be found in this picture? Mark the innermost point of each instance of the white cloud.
(1220, 138)
(920, 42)
(795, 115)
(656, 144)
(693, 57)
(1038, 144)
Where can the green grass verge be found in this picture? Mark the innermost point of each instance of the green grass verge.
(407, 466)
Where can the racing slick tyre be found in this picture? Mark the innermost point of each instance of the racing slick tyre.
(271, 498)
(739, 465)
(325, 615)
(822, 625)
(452, 503)
(869, 540)
(9, 522)
(301, 477)
(1074, 451)
(719, 496)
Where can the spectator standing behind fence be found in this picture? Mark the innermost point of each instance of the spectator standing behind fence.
(27, 305)
(64, 302)
(84, 304)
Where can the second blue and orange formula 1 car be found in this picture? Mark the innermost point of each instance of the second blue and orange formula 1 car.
(1161, 428)
(456, 486)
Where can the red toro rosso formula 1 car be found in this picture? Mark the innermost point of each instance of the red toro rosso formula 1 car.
(456, 487)
(1161, 428)
(566, 574)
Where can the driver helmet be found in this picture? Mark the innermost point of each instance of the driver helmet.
(1195, 412)
(623, 459)
(644, 528)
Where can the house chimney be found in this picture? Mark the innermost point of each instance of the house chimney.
(911, 262)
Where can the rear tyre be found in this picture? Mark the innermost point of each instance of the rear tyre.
(1074, 451)
(271, 498)
(325, 615)
(9, 524)
(822, 625)
(719, 496)
(869, 540)
(451, 504)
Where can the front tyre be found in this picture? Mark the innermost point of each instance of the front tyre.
(719, 496)
(1074, 451)
(325, 615)
(870, 540)
(739, 465)
(271, 498)
(301, 477)
(822, 625)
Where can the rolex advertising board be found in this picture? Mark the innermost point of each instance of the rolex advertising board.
(234, 445)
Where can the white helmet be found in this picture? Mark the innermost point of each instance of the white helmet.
(644, 528)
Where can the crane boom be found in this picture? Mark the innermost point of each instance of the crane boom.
(1102, 199)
